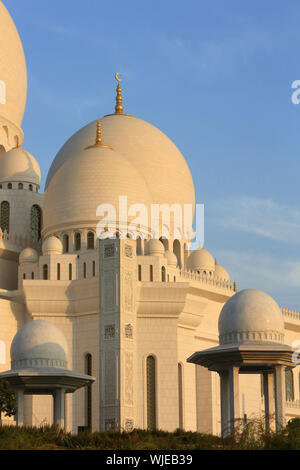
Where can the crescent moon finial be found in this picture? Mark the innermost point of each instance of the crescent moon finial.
(119, 106)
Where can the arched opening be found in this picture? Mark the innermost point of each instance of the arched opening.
(163, 274)
(9, 186)
(84, 270)
(180, 396)
(177, 251)
(165, 242)
(30, 187)
(289, 385)
(77, 241)
(151, 273)
(151, 393)
(90, 241)
(45, 272)
(139, 250)
(89, 411)
(70, 272)
(20, 186)
(66, 243)
(139, 272)
(94, 268)
(24, 276)
(4, 216)
(36, 222)
(32, 275)
(58, 271)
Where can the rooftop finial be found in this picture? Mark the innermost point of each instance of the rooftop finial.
(98, 141)
(119, 107)
(234, 286)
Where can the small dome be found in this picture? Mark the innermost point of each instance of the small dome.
(38, 344)
(52, 246)
(19, 165)
(171, 258)
(221, 272)
(154, 247)
(251, 316)
(200, 260)
(29, 255)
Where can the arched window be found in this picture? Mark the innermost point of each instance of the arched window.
(45, 272)
(20, 186)
(163, 274)
(84, 270)
(177, 251)
(88, 371)
(9, 186)
(70, 272)
(151, 273)
(151, 393)
(36, 222)
(90, 241)
(139, 272)
(24, 276)
(139, 250)
(4, 216)
(30, 187)
(66, 243)
(58, 271)
(32, 275)
(289, 385)
(180, 396)
(165, 242)
(94, 268)
(77, 241)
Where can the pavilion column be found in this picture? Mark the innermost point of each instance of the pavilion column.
(224, 395)
(279, 396)
(59, 408)
(234, 398)
(268, 382)
(20, 407)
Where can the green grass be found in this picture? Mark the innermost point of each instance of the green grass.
(247, 436)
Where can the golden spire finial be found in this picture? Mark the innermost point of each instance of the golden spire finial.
(119, 107)
(98, 141)
(234, 286)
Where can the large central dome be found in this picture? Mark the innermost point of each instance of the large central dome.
(149, 150)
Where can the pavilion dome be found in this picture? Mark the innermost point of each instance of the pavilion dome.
(201, 260)
(148, 150)
(154, 247)
(251, 316)
(171, 258)
(28, 255)
(52, 246)
(39, 344)
(19, 165)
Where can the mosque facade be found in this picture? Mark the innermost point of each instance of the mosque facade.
(131, 310)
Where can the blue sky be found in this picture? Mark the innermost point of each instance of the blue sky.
(214, 76)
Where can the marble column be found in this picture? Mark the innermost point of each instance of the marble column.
(59, 408)
(234, 399)
(20, 407)
(224, 396)
(268, 382)
(279, 396)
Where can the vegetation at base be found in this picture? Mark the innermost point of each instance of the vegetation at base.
(8, 403)
(250, 435)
